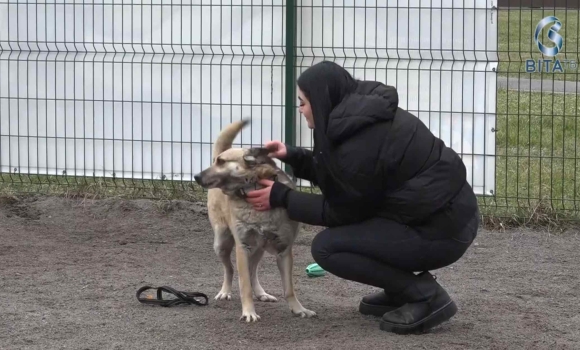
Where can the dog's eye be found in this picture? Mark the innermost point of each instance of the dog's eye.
(219, 161)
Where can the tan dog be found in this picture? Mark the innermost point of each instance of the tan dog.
(234, 172)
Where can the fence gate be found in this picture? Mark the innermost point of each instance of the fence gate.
(140, 90)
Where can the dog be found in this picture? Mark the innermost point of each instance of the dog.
(234, 172)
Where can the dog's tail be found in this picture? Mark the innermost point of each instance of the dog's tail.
(227, 136)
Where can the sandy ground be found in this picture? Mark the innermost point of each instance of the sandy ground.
(70, 270)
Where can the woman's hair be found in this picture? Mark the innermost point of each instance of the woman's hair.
(325, 84)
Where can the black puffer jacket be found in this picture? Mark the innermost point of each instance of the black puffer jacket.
(379, 160)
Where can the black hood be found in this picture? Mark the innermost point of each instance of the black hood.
(371, 103)
(325, 84)
(342, 105)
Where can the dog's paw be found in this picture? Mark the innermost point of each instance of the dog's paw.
(304, 313)
(223, 296)
(249, 316)
(267, 298)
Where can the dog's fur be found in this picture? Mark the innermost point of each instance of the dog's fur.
(237, 224)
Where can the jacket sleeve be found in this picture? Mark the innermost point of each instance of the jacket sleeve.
(302, 163)
(314, 209)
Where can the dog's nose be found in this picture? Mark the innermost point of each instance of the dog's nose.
(197, 178)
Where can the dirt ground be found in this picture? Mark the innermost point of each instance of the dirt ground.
(70, 269)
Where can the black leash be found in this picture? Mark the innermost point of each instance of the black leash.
(182, 297)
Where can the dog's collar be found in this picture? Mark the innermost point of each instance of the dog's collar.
(242, 192)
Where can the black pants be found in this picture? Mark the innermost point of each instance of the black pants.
(385, 254)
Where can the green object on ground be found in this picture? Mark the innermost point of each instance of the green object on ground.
(314, 270)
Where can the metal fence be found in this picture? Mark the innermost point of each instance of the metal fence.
(136, 93)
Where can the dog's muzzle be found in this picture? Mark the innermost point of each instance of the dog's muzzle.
(197, 179)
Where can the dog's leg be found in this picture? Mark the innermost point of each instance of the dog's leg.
(285, 263)
(259, 292)
(223, 245)
(243, 263)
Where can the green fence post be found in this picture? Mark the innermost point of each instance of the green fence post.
(290, 75)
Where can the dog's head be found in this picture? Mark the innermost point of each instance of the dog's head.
(235, 168)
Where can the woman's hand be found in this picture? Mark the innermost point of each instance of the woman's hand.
(260, 199)
(277, 149)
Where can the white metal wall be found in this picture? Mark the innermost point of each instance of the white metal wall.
(141, 90)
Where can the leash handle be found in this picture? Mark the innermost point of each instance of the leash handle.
(182, 297)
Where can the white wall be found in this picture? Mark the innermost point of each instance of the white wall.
(142, 91)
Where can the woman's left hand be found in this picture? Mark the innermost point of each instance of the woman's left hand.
(260, 199)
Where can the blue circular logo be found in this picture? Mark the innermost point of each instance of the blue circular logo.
(552, 35)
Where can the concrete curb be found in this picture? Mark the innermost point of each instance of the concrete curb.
(539, 85)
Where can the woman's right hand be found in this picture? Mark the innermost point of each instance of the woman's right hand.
(277, 149)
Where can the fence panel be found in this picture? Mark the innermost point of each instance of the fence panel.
(537, 138)
(441, 56)
(131, 90)
(136, 91)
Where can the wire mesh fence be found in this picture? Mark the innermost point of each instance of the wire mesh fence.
(130, 96)
(537, 154)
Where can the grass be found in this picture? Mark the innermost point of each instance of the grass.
(537, 147)
(516, 41)
(537, 157)
(98, 188)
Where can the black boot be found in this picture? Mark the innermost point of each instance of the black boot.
(428, 305)
(377, 304)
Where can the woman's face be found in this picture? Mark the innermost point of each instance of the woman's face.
(305, 109)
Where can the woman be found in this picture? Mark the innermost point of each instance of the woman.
(395, 199)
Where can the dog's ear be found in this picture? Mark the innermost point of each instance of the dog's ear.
(256, 156)
(259, 152)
